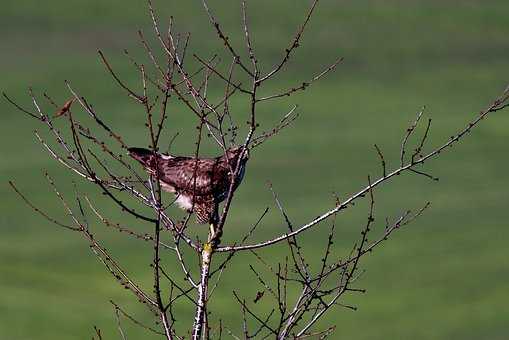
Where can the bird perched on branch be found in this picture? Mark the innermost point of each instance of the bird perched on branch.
(199, 184)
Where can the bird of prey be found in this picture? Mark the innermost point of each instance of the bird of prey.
(199, 184)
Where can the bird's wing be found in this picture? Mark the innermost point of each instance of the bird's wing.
(202, 176)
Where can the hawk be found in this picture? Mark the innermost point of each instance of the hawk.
(199, 184)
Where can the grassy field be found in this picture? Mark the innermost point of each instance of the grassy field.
(445, 277)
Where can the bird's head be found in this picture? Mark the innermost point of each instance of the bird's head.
(233, 155)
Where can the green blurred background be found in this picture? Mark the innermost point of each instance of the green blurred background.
(444, 277)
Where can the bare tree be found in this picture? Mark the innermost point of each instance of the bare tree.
(301, 292)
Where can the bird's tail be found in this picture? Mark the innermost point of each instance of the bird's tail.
(145, 156)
